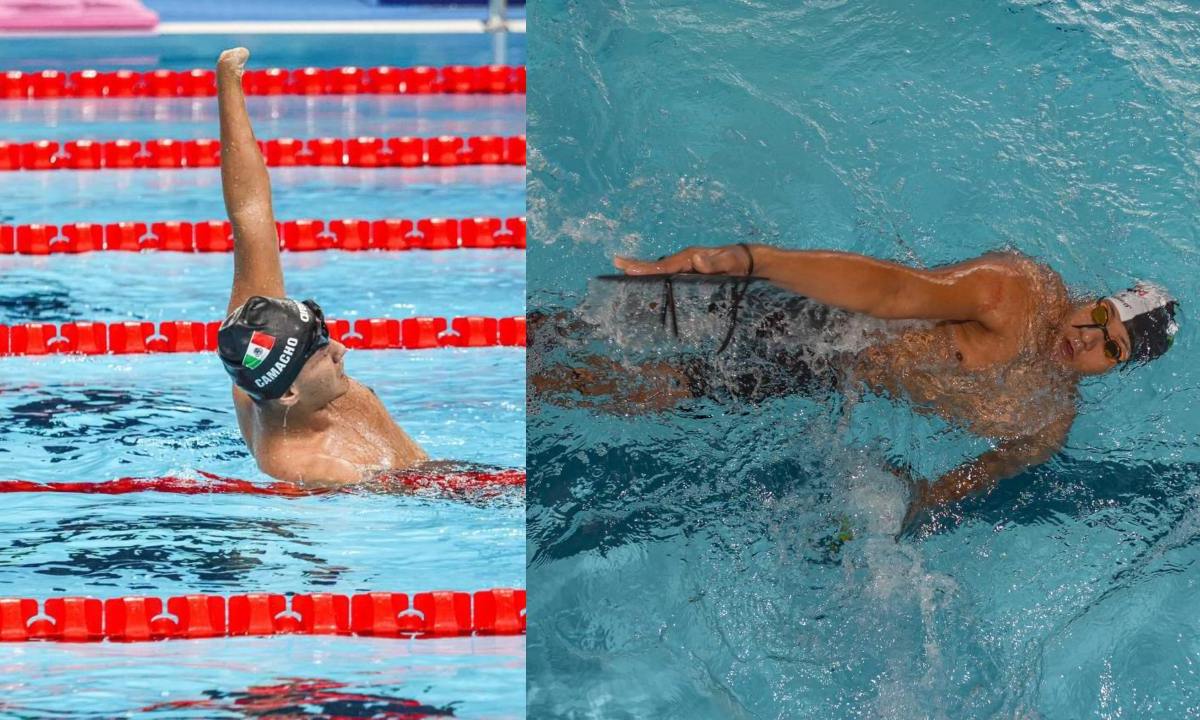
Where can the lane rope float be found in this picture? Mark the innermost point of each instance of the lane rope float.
(209, 483)
(497, 611)
(200, 82)
(171, 154)
(183, 336)
(352, 234)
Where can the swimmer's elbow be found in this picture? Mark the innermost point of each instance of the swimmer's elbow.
(1015, 456)
(248, 213)
(982, 474)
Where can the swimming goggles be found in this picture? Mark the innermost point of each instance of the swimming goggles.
(735, 300)
(321, 338)
(1100, 316)
(739, 284)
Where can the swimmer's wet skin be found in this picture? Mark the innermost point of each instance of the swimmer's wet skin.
(1003, 357)
(302, 417)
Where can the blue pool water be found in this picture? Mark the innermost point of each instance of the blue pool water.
(317, 193)
(183, 52)
(347, 285)
(740, 562)
(99, 418)
(281, 116)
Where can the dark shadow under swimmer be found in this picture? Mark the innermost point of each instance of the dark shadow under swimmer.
(751, 362)
(999, 347)
(302, 417)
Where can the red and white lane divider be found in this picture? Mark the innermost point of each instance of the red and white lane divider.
(183, 336)
(167, 153)
(499, 611)
(459, 481)
(383, 80)
(294, 235)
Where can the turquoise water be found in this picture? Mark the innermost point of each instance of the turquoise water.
(100, 418)
(740, 562)
(346, 284)
(279, 116)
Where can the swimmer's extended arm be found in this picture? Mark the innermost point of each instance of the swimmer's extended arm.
(247, 190)
(976, 290)
(1009, 459)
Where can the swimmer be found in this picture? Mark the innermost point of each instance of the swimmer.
(302, 417)
(1002, 355)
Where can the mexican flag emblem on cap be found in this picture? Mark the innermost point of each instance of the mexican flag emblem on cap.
(260, 347)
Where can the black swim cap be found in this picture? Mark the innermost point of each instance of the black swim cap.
(265, 343)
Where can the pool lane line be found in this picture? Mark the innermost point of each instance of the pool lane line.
(437, 614)
(453, 482)
(187, 336)
(172, 154)
(337, 27)
(349, 234)
(306, 81)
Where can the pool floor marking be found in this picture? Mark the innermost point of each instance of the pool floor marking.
(294, 235)
(198, 82)
(497, 611)
(452, 482)
(185, 336)
(168, 153)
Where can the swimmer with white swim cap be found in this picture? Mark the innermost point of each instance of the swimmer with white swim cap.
(1002, 356)
(1147, 313)
(301, 416)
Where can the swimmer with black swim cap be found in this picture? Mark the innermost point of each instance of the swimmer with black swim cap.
(265, 343)
(301, 416)
(1002, 355)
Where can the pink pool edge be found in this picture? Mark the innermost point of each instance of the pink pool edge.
(81, 15)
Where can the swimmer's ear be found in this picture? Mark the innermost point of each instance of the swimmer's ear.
(289, 398)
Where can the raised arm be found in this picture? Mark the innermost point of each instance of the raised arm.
(975, 290)
(247, 190)
(1010, 458)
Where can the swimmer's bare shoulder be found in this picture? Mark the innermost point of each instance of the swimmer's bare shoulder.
(309, 469)
(1028, 275)
(290, 459)
(1007, 288)
(406, 450)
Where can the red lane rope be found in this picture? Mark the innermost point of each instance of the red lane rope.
(180, 336)
(382, 80)
(167, 153)
(455, 481)
(499, 611)
(294, 235)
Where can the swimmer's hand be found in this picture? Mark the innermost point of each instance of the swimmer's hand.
(233, 61)
(727, 260)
